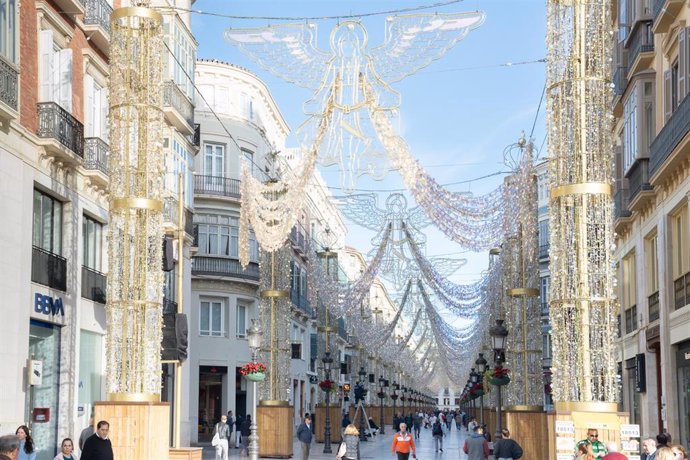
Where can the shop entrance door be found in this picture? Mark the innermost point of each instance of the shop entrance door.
(210, 399)
(44, 346)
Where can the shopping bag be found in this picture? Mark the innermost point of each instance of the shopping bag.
(216, 440)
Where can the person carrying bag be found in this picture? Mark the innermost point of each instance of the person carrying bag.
(350, 445)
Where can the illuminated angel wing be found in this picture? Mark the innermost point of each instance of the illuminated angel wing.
(416, 40)
(363, 209)
(445, 266)
(287, 51)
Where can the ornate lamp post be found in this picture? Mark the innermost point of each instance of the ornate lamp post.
(499, 335)
(394, 397)
(481, 368)
(327, 362)
(402, 399)
(360, 393)
(474, 379)
(254, 335)
(381, 395)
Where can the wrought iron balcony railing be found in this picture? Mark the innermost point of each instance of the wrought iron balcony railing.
(217, 185)
(638, 177)
(544, 251)
(641, 40)
(93, 284)
(9, 81)
(620, 80)
(97, 12)
(54, 122)
(620, 203)
(174, 97)
(670, 136)
(48, 269)
(220, 266)
(96, 154)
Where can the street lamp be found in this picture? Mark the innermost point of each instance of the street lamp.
(381, 395)
(474, 379)
(394, 397)
(499, 335)
(254, 334)
(360, 393)
(481, 368)
(327, 360)
(402, 398)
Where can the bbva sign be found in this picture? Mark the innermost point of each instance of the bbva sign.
(47, 305)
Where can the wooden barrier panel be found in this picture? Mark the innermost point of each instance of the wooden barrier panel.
(186, 453)
(135, 428)
(530, 430)
(320, 423)
(275, 431)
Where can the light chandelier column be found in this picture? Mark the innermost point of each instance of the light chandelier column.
(583, 310)
(135, 276)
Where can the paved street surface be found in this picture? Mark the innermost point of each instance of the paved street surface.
(379, 448)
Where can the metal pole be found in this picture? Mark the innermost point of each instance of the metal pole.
(177, 403)
(327, 428)
(499, 415)
(481, 409)
(253, 448)
(381, 421)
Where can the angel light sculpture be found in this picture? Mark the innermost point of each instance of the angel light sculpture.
(353, 77)
(399, 263)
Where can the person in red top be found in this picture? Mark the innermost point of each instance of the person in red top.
(613, 452)
(403, 444)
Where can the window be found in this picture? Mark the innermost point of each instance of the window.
(679, 243)
(92, 234)
(652, 264)
(629, 297)
(178, 160)
(211, 319)
(543, 233)
(95, 108)
(214, 160)
(241, 329)
(546, 345)
(8, 30)
(544, 294)
(630, 131)
(90, 367)
(247, 106)
(219, 236)
(55, 72)
(248, 159)
(623, 20)
(47, 223)
(183, 55)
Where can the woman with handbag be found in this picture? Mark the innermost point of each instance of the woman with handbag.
(221, 436)
(349, 448)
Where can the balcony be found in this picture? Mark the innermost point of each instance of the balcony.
(641, 46)
(178, 109)
(9, 90)
(638, 183)
(93, 284)
(217, 186)
(71, 7)
(665, 12)
(48, 269)
(544, 309)
(661, 158)
(681, 291)
(544, 251)
(301, 302)
(96, 160)
(298, 241)
(97, 23)
(62, 133)
(620, 80)
(653, 303)
(222, 267)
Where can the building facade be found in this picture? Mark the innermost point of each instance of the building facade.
(54, 58)
(651, 107)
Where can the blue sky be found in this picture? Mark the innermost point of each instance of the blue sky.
(458, 115)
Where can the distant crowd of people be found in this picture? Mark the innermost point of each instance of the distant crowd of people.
(94, 444)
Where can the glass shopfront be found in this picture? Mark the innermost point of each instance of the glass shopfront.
(683, 372)
(42, 404)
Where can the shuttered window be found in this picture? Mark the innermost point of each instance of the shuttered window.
(55, 72)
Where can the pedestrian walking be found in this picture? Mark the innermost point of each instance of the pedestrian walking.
(66, 450)
(349, 448)
(98, 446)
(304, 435)
(417, 424)
(26, 444)
(246, 430)
(476, 447)
(403, 444)
(437, 433)
(238, 431)
(221, 438)
(506, 448)
(85, 433)
(9, 447)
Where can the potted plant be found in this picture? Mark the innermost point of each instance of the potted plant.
(328, 385)
(499, 376)
(255, 372)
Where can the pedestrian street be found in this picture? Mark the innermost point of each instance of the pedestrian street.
(379, 448)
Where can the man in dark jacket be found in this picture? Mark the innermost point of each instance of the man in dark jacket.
(9, 447)
(506, 448)
(98, 446)
(304, 436)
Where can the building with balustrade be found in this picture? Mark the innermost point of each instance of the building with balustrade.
(651, 109)
(53, 188)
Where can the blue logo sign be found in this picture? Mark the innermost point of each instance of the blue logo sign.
(47, 305)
